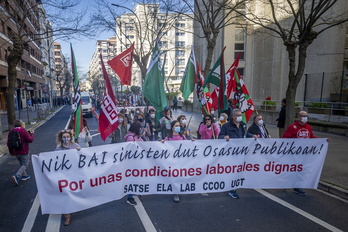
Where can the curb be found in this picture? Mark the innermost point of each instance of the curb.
(333, 189)
(4, 149)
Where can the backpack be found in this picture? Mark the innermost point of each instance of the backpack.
(15, 141)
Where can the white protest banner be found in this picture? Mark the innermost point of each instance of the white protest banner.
(71, 180)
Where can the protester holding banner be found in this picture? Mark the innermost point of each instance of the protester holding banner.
(145, 129)
(300, 129)
(185, 129)
(234, 129)
(133, 135)
(65, 141)
(117, 136)
(175, 134)
(208, 129)
(258, 128)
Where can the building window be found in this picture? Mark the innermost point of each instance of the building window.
(163, 44)
(179, 44)
(180, 24)
(179, 53)
(239, 46)
(179, 61)
(179, 34)
(239, 34)
(241, 55)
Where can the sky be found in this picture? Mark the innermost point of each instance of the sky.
(84, 48)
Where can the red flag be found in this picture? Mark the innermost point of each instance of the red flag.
(203, 94)
(108, 120)
(241, 97)
(122, 65)
(231, 83)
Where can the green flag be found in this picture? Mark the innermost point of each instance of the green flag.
(218, 78)
(188, 81)
(153, 88)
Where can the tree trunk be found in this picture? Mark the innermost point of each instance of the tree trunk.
(12, 60)
(294, 79)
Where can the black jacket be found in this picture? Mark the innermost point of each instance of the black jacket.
(230, 129)
(255, 130)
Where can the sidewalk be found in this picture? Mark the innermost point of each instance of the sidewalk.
(26, 115)
(334, 176)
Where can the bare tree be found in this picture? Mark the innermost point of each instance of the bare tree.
(297, 24)
(212, 16)
(147, 26)
(22, 14)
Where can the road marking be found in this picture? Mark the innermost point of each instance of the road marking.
(29, 222)
(144, 217)
(53, 223)
(298, 210)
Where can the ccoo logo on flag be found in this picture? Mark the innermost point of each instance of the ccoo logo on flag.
(126, 59)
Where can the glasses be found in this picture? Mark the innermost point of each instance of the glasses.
(207, 119)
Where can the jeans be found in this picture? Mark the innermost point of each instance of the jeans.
(24, 163)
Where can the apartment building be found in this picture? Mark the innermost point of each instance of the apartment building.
(107, 48)
(21, 17)
(143, 26)
(264, 60)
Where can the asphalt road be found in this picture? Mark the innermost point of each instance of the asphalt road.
(256, 210)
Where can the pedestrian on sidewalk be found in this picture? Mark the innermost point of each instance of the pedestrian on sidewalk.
(281, 118)
(65, 141)
(21, 151)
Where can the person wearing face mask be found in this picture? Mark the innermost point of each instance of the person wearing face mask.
(222, 119)
(151, 125)
(258, 128)
(165, 122)
(301, 130)
(208, 129)
(235, 129)
(174, 134)
(145, 128)
(65, 141)
(185, 129)
(118, 134)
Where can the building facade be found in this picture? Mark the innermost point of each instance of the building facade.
(174, 34)
(107, 48)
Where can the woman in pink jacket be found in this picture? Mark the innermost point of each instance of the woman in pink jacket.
(208, 129)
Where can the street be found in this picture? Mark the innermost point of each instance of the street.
(256, 210)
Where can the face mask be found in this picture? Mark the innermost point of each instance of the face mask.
(304, 119)
(222, 119)
(137, 112)
(260, 122)
(120, 120)
(177, 129)
(239, 118)
(65, 140)
(140, 119)
(183, 121)
(212, 112)
(152, 115)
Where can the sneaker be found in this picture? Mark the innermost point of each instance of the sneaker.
(26, 177)
(234, 194)
(176, 198)
(300, 192)
(131, 201)
(15, 179)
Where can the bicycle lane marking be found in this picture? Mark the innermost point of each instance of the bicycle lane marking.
(298, 210)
